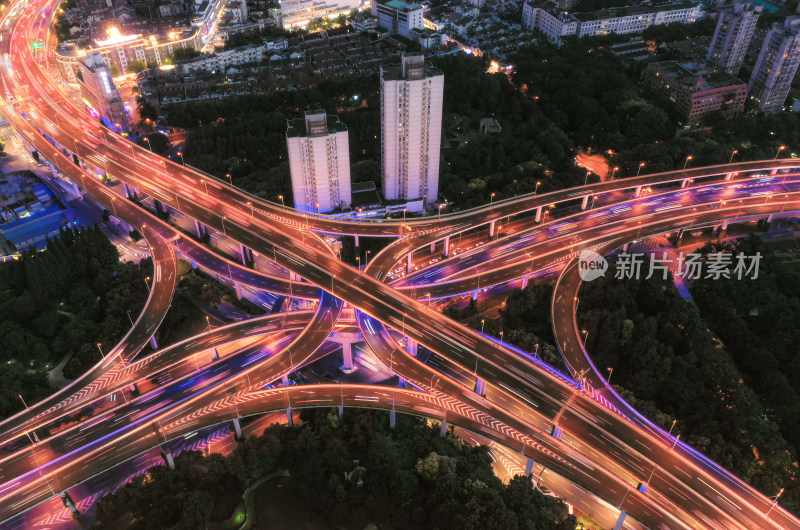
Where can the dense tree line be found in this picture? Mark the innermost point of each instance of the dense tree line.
(355, 470)
(662, 352)
(63, 301)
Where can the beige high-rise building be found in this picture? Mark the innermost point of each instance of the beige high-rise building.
(776, 65)
(411, 125)
(100, 93)
(319, 161)
(735, 27)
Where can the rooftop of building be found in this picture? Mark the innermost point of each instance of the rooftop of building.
(403, 6)
(394, 72)
(297, 127)
(625, 11)
(686, 76)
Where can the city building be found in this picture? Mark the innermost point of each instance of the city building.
(220, 61)
(622, 20)
(120, 50)
(411, 129)
(298, 13)
(99, 92)
(319, 162)
(363, 22)
(735, 27)
(398, 17)
(697, 95)
(776, 65)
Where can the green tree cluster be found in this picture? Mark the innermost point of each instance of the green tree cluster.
(662, 352)
(355, 470)
(59, 302)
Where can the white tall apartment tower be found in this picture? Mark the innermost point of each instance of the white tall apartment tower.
(776, 65)
(411, 124)
(100, 93)
(319, 161)
(735, 28)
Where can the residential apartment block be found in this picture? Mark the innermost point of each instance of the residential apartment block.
(776, 65)
(735, 27)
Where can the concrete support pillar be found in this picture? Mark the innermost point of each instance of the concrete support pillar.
(475, 294)
(524, 282)
(480, 387)
(538, 214)
(680, 233)
(529, 466)
(443, 430)
(770, 217)
(411, 346)
(153, 343)
(433, 247)
(289, 417)
(585, 202)
(243, 252)
(491, 228)
(215, 354)
(347, 357)
(237, 429)
(620, 520)
(625, 247)
(199, 228)
(127, 190)
(392, 418)
(638, 191)
(358, 244)
(728, 176)
(69, 503)
(341, 411)
(194, 264)
(166, 454)
(238, 290)
(724, 224)
(557, 432)
(773, 172)
(409, 265)
(684, 183)
(446, 246)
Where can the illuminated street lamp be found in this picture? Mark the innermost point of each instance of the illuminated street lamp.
(483, 321)
(23, 401)
(99, 347)
(281, 198)
(250, 204)
(614, 172)
(182, 160)
(610, 371)
(223, 226)
(585, 335)
(640, 169)
(366, 260)
(781, 148)
(501, 336)
(147, 284)
(538, 183)
(686, 162)
(491, 198)
(205, 184)
(146, 139)
(733, 153)
(442, 206)
(230, 179)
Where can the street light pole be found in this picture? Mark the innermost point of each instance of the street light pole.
(483, 321)
(230, 179)
(614, 172)
(610, 371)
(103, 355)
(223, 226)
(781, 148)
(281, 198)
(147, 284)
(732, 155)
(182, 160)
(491, 198)
(205, 184)
(641, 165)
(686, 162)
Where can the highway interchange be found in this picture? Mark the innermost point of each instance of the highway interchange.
(600, 443)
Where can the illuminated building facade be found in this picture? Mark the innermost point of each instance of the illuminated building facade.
(121, 50)
(298, 13)
(99, 92)
(319, 162)
(411, 129)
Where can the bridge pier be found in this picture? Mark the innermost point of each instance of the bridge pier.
(774, 172)
(446, 246)
(491, 228)
(433, 247)
(529, 466)
(538, 214)
(69, 503)
(215, 354)
(620, 520)
(237, 429)
(729, 176)
(638, 191)
(238, 287)
(200, 228)
(411, 346)
(247, 255)
(409, 265)
(443, 429)
(289, 417)
(153, 343)
(585, 202)
(770, 217)
(166, 454)
(194, 264)
(285, 379)
(357, 241)
(724, 225)
(625, 247)
(524, 282)
(347, 357)
(341, 411)
(392, 418)
(475, 294)
(684, 183)
(480, 387)
(557, 432)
